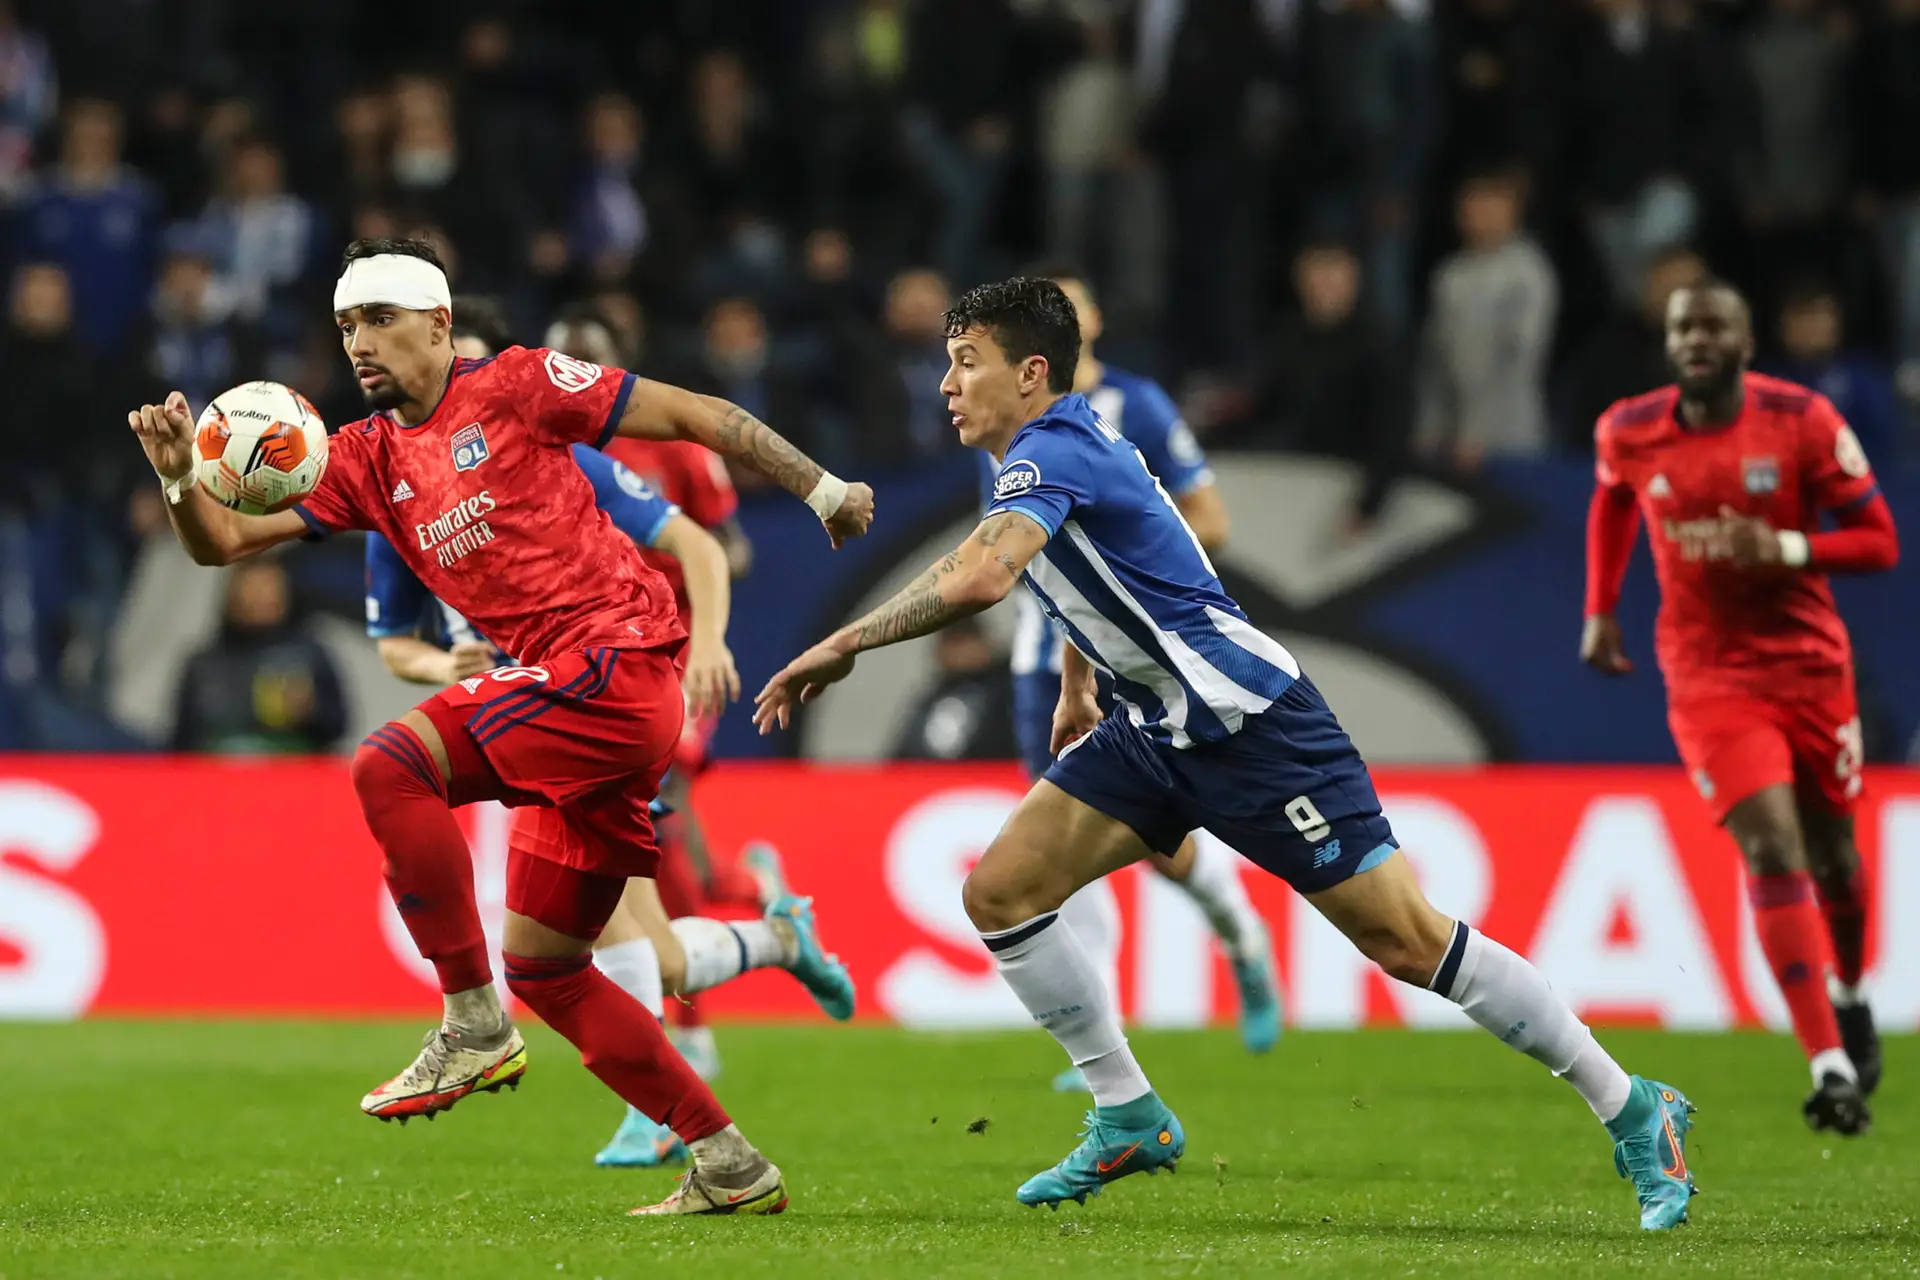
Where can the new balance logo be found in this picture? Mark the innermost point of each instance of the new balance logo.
(402, 491)
(1659, 488)
(1327, 854)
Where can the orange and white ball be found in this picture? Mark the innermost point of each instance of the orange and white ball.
(259, 448)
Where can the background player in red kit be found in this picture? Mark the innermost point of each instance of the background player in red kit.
(1733, 472)
(466, 470)
(694, 878)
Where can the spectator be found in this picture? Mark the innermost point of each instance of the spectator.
(360, 165)
(904, 415)
(1643, 117)
(166, 148)
(1814, 353)
(195, 346)
(435, 183)
(1366, 136)
(265, 686)
(1488, 333)
(732, 166)
(1796, 56)
(96, 218)
(1495, 72)
(1099, 189)
(49, 380)
(968, 714)
(955, 128)
(1886, 120)
(28, 93)
(263, 237)
(1628, 355)
(1329, 380)
(608, 227)
(735, 364)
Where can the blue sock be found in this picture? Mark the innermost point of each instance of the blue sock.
(1142, 1113)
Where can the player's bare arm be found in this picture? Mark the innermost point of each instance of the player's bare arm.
(1078, 712)
(1206, 514)
(657, 411)
(710, 679)
(416, 661)
(975, 576)
(212, 534)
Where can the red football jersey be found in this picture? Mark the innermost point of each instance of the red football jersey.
(1788, 457)
(488, 508)
(690, 476)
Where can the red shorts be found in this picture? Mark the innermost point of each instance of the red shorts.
(1735, 745)
(582, 740)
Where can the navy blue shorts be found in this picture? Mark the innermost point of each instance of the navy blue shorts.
(1288, 791)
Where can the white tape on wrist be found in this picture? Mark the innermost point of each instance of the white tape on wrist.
(1794, 549)
(176, 490)
(827, 495)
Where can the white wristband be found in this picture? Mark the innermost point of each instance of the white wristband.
(827, 495)
(176, 490)
(1794, 549)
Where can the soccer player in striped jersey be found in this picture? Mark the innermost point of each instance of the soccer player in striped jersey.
(1139, 409)
(1215, 726)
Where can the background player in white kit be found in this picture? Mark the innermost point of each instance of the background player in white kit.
(1220, 730)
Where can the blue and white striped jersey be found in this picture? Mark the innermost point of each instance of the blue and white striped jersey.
(1125, 576)
(398, 603)
(1142, 412)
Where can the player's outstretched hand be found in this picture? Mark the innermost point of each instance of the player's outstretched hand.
(854, 515)
(1751, 542)
(1074, 717)
(1601, 646)
(710, 680)
(799, 681)
(166, 433)
(470, 658)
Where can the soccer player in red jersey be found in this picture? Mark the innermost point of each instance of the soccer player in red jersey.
(465, 468)
(694, 879)
(1733, 473)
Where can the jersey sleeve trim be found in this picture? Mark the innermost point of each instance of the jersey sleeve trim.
(654, 531)
(388, 630)
(1856, 502)
(317, 529)
(1198, 480)
(618, 411)
(1030, 510)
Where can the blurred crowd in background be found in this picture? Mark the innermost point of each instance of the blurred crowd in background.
(1414, 233)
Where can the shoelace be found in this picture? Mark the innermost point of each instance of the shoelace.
(433, 1056)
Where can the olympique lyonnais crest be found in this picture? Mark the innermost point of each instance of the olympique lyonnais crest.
(469, 447)
(1762, 474)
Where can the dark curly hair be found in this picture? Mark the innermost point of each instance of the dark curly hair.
(1025, 316)
(374, 246)
(479, 315)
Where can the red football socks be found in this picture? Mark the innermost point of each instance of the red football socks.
(619, 1041)
(428, 868)
(1794, 938)
(1845, 906)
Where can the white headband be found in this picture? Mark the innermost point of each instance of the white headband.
(394, 280)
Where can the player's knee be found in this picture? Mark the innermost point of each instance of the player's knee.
(543, 981)
(998, 897)
(1774, 852)
(1409, 950)
(392, 761)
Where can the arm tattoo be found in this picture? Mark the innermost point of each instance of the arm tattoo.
(915, 610)
(743, 436)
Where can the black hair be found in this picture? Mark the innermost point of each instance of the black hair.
(1325, 243)
(1059, 271)
(1808, 290)
(1026, 316)
(375, 246)
(479, 315)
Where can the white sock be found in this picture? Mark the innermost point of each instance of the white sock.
(1094, 916)
(1834, 1061)
(1844, 996)
(635, 969)
(720, 950)
(1509, 997)
(1050, 971)
(477, 1010)
(724, 1152)
(1215, 886)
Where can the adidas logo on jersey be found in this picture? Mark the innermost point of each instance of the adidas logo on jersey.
(1659, 488)
(402, 491)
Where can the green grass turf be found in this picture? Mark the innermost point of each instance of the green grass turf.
(157, 1149)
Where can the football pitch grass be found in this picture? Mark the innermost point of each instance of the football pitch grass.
(188, 1149)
